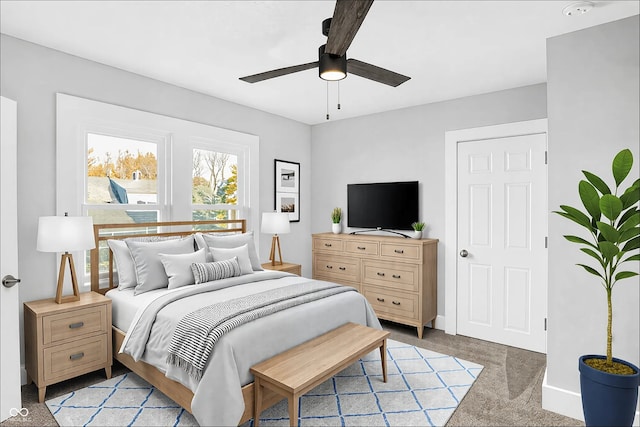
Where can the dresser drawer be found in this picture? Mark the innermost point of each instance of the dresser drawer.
(399, 251)
(72, 358)
(362, 247)
(391, 275)
(337, 267)
(74, 324)
(327, 244)
(395, 304)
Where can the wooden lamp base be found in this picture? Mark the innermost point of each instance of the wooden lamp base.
(275, 241)
(76, 295)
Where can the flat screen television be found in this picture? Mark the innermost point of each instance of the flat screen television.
(383, 205)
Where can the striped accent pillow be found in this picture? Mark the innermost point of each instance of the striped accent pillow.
(208, 271)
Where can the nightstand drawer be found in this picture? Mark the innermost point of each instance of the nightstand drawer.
(74, 357)
(74, 324)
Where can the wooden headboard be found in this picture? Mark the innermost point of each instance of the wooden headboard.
(104, 232)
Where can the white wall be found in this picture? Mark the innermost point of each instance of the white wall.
(32, 74)
(407, 144)
(594, 108)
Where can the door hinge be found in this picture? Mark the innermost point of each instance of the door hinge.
(546, 157)
(546, 242)
(545, 323)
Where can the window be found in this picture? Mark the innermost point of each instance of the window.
(120, 165)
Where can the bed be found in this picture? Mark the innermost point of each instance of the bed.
(222, 392)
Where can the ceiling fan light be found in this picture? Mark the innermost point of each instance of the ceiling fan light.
(332, 67)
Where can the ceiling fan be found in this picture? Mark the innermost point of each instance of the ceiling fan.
(332, 57)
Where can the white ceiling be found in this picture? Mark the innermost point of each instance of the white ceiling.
(449, 49)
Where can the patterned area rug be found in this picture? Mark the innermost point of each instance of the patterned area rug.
(423, 388)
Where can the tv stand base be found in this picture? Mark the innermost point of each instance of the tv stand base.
(380, 229)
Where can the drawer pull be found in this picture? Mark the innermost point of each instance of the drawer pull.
(328, 245)
(398, 251)
(342, 268)
(395, 302)
(77, 356)
(362, 248)
(329, 267)
(76, 325)
(380, 299)
(395, 276)
(380, 274)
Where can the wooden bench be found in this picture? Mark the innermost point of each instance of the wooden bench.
(298, 370)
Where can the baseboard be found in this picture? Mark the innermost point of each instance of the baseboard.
(438, 323)
(567, 403)
(23, 375)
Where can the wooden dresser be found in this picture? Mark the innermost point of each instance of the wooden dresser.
(398, 276)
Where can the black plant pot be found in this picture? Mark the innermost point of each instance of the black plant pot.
(608, 399)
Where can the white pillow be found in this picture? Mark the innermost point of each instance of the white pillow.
(124, 264)
(212, 240)
(178, 267)
(150, 273)
(125, 267)
(241, 252)
(209, 271)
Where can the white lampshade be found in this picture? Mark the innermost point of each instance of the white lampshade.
(65, 233)
(275, 223)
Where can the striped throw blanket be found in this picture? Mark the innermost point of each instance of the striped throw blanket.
(198, 331)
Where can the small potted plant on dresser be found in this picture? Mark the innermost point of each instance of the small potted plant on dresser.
(609, 386)
(418, 228)
(336, 217)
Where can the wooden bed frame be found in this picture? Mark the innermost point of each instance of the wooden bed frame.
(174, 390)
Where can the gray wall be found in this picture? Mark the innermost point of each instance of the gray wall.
(593, 105)
(32, 74)
(407, 144)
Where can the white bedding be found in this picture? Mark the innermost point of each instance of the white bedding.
(217, 397)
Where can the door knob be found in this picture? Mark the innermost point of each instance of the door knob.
(8, 281)
(464, 253)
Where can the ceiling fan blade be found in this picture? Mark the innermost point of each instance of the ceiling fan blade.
(347, 18)
(279, 72)
(375, 73)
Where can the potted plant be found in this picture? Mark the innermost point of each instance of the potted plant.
(609, 386)
(336, 217)
(418, 227)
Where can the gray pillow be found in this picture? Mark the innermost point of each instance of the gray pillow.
(178, 267)
(125, 268)
(212, 240)
(150, 273)
(241, 253)
(208, 271)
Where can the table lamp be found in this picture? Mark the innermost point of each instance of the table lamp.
(65, 234)
(275, 223)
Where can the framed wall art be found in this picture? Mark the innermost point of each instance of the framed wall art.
(287, 188)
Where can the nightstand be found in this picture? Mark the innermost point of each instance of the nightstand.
(286, 266)
(65, 340)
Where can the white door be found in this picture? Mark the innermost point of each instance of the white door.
(502, 229)
(10, 400)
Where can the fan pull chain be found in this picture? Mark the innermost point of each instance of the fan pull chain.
(327, 100)
(338, 95)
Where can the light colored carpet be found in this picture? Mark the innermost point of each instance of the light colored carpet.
(423, 388)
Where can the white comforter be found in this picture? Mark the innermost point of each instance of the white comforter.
(217, 396)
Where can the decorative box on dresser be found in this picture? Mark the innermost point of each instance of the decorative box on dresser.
(65, 340)
(398, 276)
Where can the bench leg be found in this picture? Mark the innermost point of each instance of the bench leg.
(383, 358)
(257, 401)
(294, 402)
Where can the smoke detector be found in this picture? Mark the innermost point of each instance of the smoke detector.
(578, 8)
